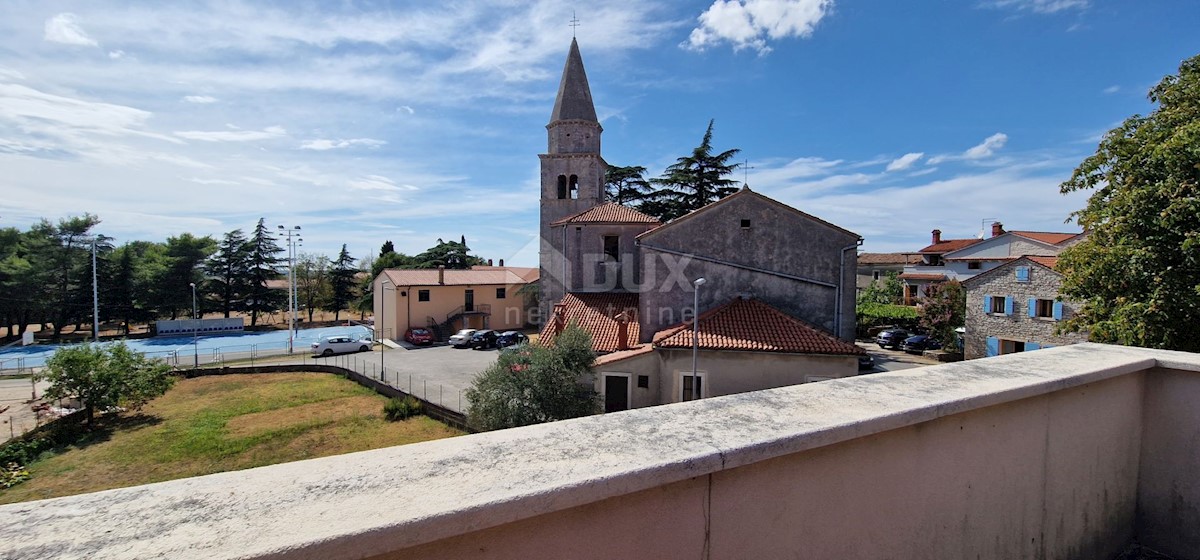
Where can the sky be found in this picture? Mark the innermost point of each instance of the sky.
(412, 121)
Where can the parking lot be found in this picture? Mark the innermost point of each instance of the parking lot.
(893, 360)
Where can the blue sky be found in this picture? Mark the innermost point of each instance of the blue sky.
(366, 121)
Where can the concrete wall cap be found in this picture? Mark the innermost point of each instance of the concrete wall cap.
(363, 504)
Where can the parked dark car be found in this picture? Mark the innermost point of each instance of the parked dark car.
(510, 338)
(920, 343)
(865, 362)
(483, 340)
(418, 336)
(892, 338)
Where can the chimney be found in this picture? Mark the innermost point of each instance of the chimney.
(501, 262)
(622, 330)
(937, 236)
(997, 228)
(559, 320)
(441, 274)
(489, 262)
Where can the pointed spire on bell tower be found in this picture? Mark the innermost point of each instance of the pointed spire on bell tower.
(574, 101)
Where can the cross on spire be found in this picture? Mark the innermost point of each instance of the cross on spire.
(574, 23)
(746, 171)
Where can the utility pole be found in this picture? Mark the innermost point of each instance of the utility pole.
(287, 235)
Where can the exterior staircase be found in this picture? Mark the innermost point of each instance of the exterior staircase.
(442, 331)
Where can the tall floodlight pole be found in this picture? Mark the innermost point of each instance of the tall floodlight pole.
(293, 294)
(696, 337)
(195, 329)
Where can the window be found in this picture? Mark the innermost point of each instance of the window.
(875, 275)
(973, 265)
(998, 304)
(643, 382)
(422, 295)
(745, 223)
(933, 260)
(501, 293)
(1044, 308)
(692, 386)
(573, 186)
(562, 186)
(612, 247)
(1022, 273)
(403, 293)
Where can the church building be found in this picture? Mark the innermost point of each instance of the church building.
(774, 285)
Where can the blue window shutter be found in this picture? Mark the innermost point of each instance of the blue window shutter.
(1058, 311)
(1008, 305)
(1030, 346)
(987, 304)
(993, 346)
(1022, 274)
(1032, 307)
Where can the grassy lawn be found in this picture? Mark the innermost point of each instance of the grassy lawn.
(224, 423)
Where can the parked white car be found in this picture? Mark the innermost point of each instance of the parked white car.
(461, 338)
(331, 345)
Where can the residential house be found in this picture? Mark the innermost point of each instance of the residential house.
(875, 266)
(482, 297)
(960, 259)
(742, 345)
(1016, 307)
(611, 268)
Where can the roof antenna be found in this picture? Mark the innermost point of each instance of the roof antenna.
(574, 23)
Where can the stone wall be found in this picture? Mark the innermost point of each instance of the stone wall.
(1043, 284)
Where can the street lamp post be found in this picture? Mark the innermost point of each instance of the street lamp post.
(383, 289)
(195, 329)
(696, 337)
(287, 234)
(95, 297)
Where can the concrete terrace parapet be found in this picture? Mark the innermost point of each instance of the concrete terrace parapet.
(1060, 453)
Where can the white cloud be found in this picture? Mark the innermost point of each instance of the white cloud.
(116, 55)
(1039, 6)
(751, 23)
(905, 161)
(233, 135)
(329, 144)
(199, 99)
(11, 74)
(982, 150)
(1112, 89)
(378, 183)
(406, 109)
(64, 28)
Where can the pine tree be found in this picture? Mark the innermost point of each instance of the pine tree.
(342, 277)
(692, 182)
(228, 272)
(626, 185)
(262, 251)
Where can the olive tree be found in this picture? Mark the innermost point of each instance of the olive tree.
(105, 376)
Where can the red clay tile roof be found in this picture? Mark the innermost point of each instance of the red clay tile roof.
(623, 354)
(608, 213)
(948, 245)
(1048, 262)
(888, 258)
(596, 314)
(923, 276)
(1050, 237)
(753, 325)
(429, 277)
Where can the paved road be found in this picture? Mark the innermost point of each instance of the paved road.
(893, 360)
(438, 374)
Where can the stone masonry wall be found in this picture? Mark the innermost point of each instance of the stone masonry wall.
(1043, 284)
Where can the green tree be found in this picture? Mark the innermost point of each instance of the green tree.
(341, 283)
(186, 256)
(1137, 272)
(228, 272)
(692, 182)
(535, 384)
(262, 252)
(103, 377)
(889, 292)
(944, 310)
(450, 254)
(626, 185)
(313, 286)
(386, 248)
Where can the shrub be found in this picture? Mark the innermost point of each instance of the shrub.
(401, 409)
(12, 474)
(871, 315)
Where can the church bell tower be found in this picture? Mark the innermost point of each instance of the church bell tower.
(572, 171)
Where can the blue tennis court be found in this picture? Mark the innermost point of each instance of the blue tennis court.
(272, 342)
